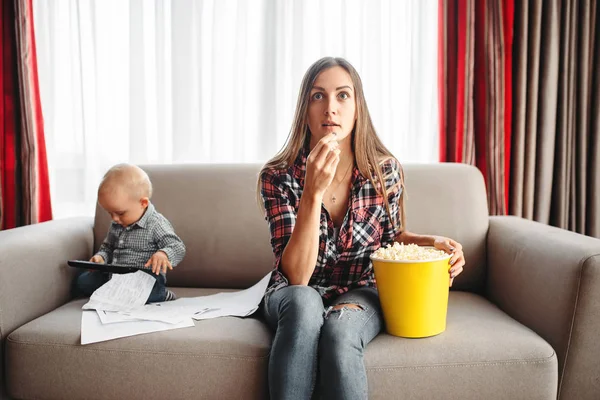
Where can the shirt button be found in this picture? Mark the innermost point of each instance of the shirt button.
(121, 241)
(114, 260)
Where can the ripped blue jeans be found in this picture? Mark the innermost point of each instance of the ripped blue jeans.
(319, 346)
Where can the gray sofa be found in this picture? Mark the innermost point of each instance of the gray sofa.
(523, 319)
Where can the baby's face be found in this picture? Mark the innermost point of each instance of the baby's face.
(122, 207)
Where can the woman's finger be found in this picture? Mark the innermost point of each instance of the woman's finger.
(455, 256)
(332, 137)
(457, 268)
(324, 142)
(335, 153)
(454, 272)
(455, 245)
(444, 244)
(315, 150)
(323, 154)
(332, 161)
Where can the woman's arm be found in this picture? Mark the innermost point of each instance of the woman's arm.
(450, 246)
(295, 232)
(407, 237)
(300, 255)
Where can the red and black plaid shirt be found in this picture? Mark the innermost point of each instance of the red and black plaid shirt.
(342, 264)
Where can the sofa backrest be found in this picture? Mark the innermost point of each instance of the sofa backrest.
(213, 209)
(450, 199)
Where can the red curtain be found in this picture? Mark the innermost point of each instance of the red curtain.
(475, 80)
(24, 183)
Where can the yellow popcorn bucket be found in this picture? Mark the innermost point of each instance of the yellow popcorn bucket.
(413, 295)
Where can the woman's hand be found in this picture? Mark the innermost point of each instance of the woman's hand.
(321, 165)
(457, 261)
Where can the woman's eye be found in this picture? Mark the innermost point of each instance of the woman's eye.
(343, 95)
(317, 96)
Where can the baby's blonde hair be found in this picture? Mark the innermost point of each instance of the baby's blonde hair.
(130, 177)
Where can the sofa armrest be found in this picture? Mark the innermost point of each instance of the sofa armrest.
(549, 280)
(34, 276)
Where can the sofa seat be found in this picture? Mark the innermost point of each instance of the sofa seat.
(222, 358)
(483, 354)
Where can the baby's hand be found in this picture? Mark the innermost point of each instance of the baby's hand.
(97, 259)
(159, 262)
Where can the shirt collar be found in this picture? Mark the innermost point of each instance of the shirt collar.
(142, 222)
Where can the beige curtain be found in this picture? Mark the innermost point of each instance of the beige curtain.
(555, 163)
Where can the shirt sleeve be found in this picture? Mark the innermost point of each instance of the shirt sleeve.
(168, 242)
(393, 176)
(280, 213)
(107, 247)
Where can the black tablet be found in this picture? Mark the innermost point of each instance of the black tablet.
(115, 269)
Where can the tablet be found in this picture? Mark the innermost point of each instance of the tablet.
(115, 269)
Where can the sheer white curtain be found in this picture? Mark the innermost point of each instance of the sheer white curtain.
(159, 81)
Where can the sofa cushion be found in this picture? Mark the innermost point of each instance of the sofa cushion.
(218, 358)
(483, 354)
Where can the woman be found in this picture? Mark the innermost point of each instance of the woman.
(327, 212)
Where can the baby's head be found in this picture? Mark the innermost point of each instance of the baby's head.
(125, 193)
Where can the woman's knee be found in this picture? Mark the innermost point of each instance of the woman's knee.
(336, 339)
(302, 305)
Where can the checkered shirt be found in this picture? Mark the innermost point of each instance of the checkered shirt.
(342, 264)
(135, 244)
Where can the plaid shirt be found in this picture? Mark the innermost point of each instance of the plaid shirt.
(342, 264)
(135, 244)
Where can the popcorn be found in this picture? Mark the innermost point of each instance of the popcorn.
(408, 252)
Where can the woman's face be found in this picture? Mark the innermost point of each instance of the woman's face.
(332, 104)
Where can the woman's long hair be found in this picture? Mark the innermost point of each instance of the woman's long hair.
(367, 147)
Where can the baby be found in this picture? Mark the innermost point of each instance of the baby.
(138, 235)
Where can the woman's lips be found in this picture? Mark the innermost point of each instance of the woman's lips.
(331, 128)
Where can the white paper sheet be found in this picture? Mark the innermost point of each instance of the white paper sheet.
(111, 317)
(122, 292)
(166, 315)
(225, 312)
(236, 304)
(158, 312)
(239, 304)
(93, 331)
